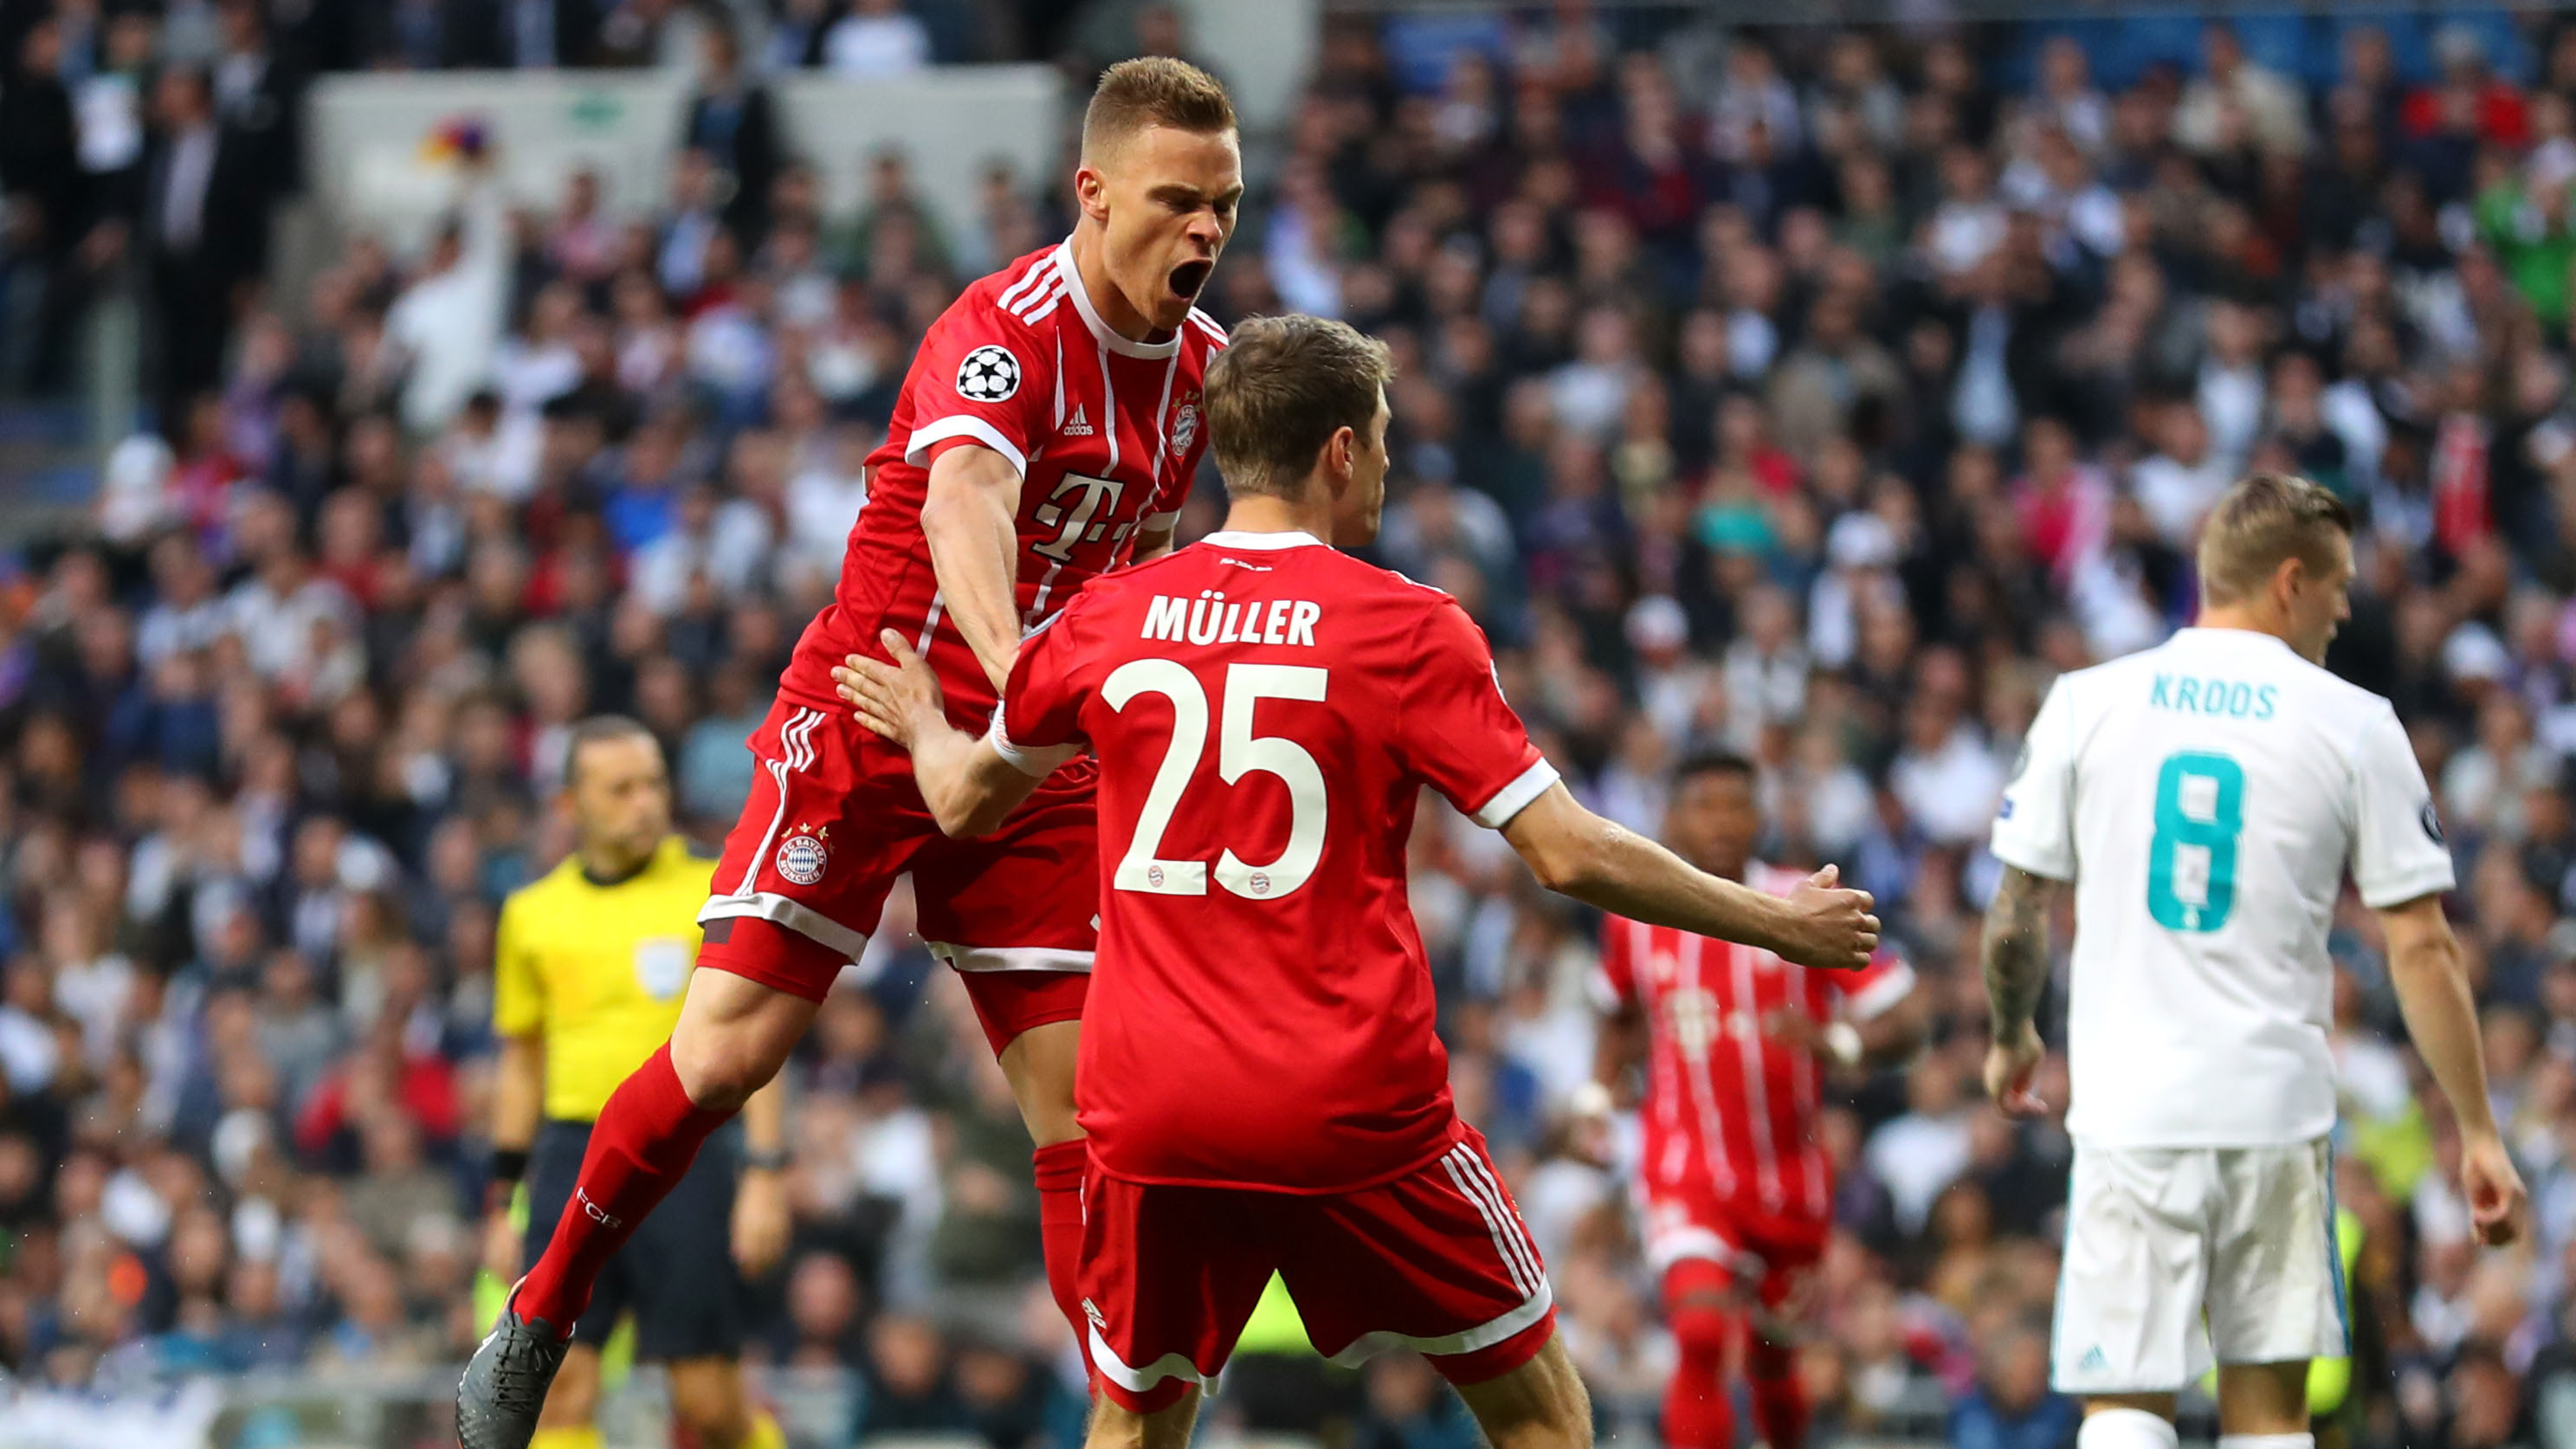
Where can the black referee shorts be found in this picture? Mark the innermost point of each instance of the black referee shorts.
(677, 1273)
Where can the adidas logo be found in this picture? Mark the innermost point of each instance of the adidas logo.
(2093, 1361)
(1080, 426)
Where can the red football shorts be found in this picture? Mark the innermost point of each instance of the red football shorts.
(1775, 1256)
(834, 817)
(1436, 1260)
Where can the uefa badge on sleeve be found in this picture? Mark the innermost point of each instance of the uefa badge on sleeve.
(990, 374)
(804, 853)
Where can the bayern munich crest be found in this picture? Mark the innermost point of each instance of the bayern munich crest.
(1185, 426)
(989, 374)
(804, 853)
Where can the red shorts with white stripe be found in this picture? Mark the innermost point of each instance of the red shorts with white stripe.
(1774, 1256)
(834, 817)
(1436, 1260)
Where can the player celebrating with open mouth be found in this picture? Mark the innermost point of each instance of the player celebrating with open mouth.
(1046, 434)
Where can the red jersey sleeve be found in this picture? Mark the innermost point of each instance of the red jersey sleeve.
(1454, 728)
(1038, 725)
(1870, 991)
(980, 378)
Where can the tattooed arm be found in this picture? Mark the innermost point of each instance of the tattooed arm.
(2015, 954)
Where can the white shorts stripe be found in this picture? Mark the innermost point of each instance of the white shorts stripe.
(1138, 1380)
(1518, 1231)
(1484, 1335)
(1511, 1262)
(788, 750)
(796, 916)
(1010, 958)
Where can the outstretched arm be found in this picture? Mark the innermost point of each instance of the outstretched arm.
(2441, 1018)
(968, 783)
(2016, 962)
(1601, 863)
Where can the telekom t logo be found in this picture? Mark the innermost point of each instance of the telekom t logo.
(1082, 519)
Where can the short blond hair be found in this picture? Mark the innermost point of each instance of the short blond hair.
(1152, 90)
(2263, 520)
(1280, 390)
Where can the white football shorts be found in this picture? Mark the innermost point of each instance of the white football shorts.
(2160, 1240)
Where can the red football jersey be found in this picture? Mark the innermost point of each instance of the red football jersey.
(1728, 1111)
(1265, 711)
(1105, 433)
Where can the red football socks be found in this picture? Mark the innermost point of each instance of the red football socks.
(1699, 1403)
(642, 1145)
(1779, 1400)
(1060, 1167)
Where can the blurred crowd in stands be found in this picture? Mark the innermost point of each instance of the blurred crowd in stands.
(1818, 393)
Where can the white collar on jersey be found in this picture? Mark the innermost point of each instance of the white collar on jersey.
(1101, 331)
(1237, 538)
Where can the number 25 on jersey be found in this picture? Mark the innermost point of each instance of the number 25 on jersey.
(2191, 864)
(1239, 752)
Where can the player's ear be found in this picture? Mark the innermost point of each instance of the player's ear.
(1091, 192)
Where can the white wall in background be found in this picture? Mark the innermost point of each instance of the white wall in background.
(373, 169)
(1264, 49)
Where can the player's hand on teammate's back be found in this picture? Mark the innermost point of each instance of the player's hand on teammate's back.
(2010, 1064)
(1830, 929)
(897, 700)
(760, 1222)
(2494, 1189)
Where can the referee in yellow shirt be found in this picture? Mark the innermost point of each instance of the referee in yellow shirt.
(589, 969)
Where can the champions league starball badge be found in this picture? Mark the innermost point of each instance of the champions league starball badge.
(990, 374)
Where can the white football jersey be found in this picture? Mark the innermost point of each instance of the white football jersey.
(2205, 797)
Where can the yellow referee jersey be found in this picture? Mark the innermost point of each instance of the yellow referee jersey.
(598, 970)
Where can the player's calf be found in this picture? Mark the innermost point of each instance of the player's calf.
(1116, 1426)
(1540, 1405)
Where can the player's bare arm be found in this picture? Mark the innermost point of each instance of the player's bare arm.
(518, 1095)
(967, 783)
(761, 1221)
(970, 517)
(2015, 955)
(1601, 863)
(2432, 986)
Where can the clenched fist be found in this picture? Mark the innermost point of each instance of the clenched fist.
(1829, 928)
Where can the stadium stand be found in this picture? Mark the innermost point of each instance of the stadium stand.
(1819, 393)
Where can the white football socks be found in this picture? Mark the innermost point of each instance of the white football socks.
(2127, 1429)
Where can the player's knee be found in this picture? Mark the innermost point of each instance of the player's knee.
(1160, 1418)
(1767, 1362)
(1701, 1327)
(722, 1056)
(1540, 1405)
